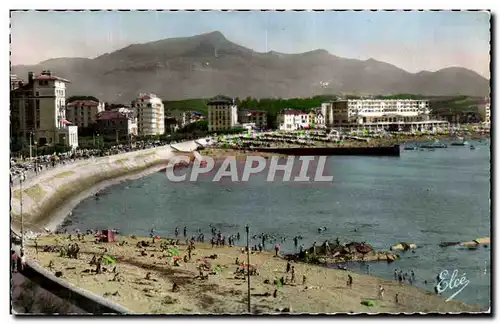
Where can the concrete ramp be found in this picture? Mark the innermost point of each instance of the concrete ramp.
(185, 147)
(203, 141)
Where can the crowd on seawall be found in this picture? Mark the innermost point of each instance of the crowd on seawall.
(31, 167)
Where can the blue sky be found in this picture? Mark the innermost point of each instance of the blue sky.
(414, 41)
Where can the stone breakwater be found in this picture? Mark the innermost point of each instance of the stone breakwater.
(45, 199)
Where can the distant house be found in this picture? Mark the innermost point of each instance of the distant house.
(257, 117)
(83, 113)
(119, 123)
(291, 119)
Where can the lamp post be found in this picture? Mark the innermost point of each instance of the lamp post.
(36, 157)
(31, 134)
(248, 266)
(21, 180)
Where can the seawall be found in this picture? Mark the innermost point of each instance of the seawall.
(366, 151)
(47, 199)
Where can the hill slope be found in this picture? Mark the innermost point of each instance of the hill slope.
(209, 64)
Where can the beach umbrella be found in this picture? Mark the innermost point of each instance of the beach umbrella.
(108, 259)
(174, 252)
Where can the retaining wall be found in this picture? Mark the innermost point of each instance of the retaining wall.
(45, 194)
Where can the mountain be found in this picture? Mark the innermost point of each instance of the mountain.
(209, 64)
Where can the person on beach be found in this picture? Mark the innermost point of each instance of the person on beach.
(152, 232)
(14, 258)
(22, 260)
(288, 267)
(295, 241)
(349, 281)
(260, 247)
(314, 248)
(396, 299)
(277, 249)
(185, 231)
(412, 274)
(381, 292)
(238, 236)
(293, 274)
(176, 232)
(304, 279)
(395, 274)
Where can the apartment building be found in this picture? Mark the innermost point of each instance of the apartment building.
(257, 117)
(38, 110)
(291, 119)
(150, 114)
(83, 113)
(222, 113)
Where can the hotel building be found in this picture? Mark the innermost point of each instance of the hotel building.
(393, 114)
(222, 113)
(38, 111)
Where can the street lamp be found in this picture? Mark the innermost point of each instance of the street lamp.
(36, 157)
(21, 180)
(248, 266)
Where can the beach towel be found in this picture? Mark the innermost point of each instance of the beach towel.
(369, 303)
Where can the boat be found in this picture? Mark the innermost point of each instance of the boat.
(472, 147)
(411, 148)
(461, 143)
(434, 146)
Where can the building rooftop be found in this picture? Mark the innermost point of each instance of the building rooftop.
(293, 112)
(50, 78)
(111, 115)
(87, 103)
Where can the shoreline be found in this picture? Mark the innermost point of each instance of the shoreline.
(325, 290)
(50, 210)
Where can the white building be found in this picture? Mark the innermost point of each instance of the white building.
(83, 113)
(222, 113)
(290, 119)
(38, 110)
(393, 113)
(150, 114)
(485, 112)
(319, 120)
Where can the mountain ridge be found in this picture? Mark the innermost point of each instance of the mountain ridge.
(208, 64)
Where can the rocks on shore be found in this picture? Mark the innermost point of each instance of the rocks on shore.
(353, 251)
(403, 246)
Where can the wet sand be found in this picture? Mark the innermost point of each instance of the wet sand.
(325, 290)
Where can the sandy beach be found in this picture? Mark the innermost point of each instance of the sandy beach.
(144, 277)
